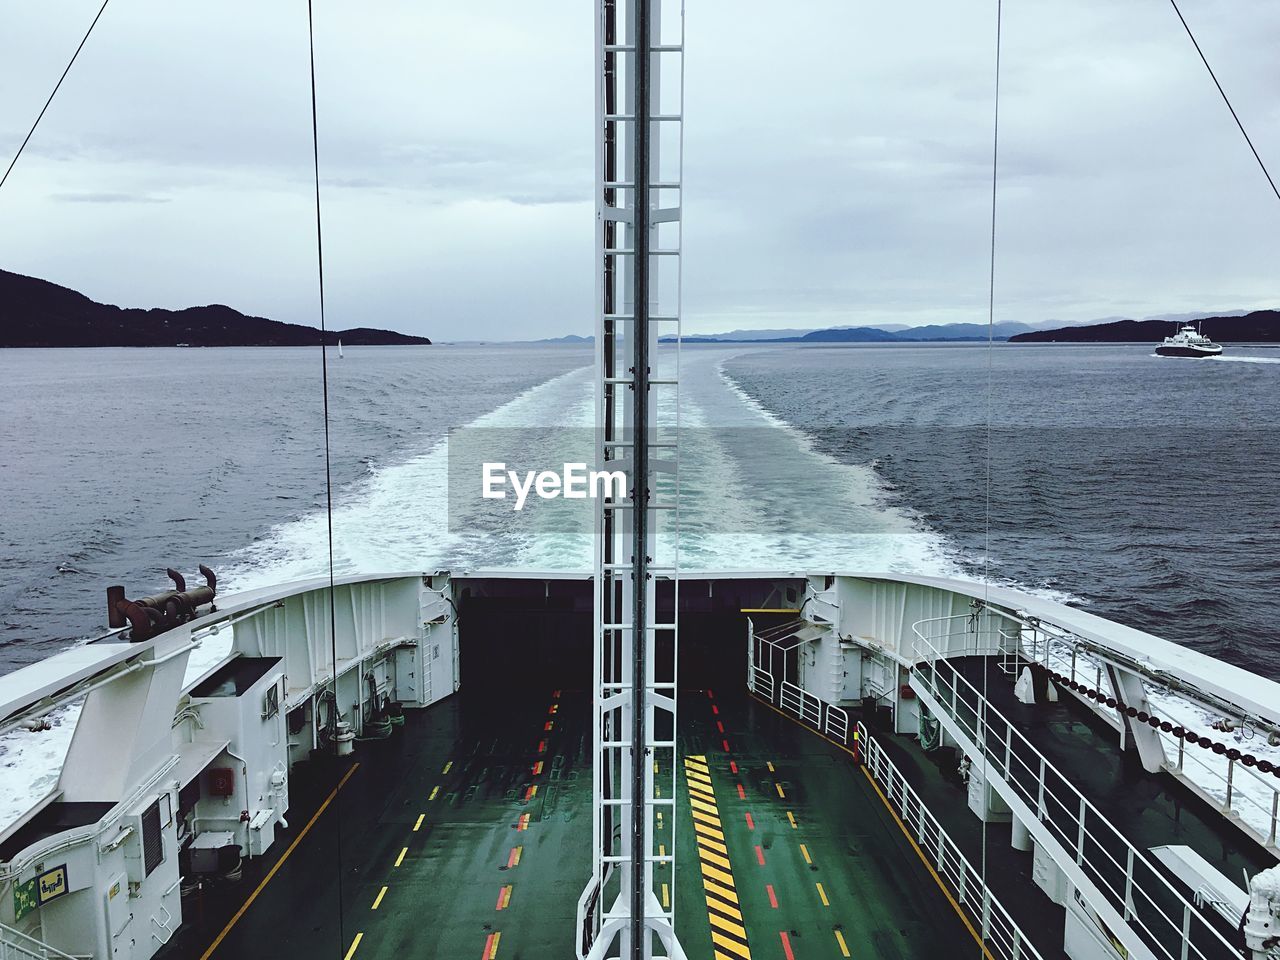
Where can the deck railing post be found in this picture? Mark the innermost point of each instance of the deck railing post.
(1080, 836)
(1231, 769)
(1128, 886)
(1275, 816)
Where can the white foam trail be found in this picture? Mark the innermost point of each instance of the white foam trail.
(1221, 359)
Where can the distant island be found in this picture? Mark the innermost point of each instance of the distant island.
(1260, 326)
(37, 313)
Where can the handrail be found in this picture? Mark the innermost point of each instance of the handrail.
(38, 949)
(796, 699)
(1117, 881)
(1000, 934)
(1260, 820)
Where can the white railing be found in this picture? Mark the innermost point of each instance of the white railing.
(1132, 886)
(16, 945)
(800, 702)
(836, 723)
(1001, 936)
(1240, 792)
(1236, 789)
(760, 682)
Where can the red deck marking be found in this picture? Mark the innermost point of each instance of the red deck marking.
(537, 768)
(786, 945)
(502, 893)
(556, 694)
(542, 746)
(726, 745)
(710, 695)
(530, 794)
(733, 765)
(715, 710)
(513, 858)
(742, 794)
(773, 897)
(488, 945)
(720, 726)
(554, 708)
(548, 725)
(760, 855)
(523, 822)
(751, 824)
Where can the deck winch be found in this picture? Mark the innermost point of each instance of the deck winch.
(154, 615)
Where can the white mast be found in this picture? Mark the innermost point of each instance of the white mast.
(638, 150)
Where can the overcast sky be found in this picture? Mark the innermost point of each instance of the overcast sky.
(837, 160)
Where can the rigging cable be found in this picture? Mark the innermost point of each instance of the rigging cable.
(1225, 99)
(986, 553)
(56, 87)
(328, 470)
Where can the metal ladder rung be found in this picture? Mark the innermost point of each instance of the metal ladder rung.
(629, 567)
(653, 48)
(652, 745)
(656, 801)
(627, 626)
(631, 185)
(623, 252)
(653, 117)
(631, 381)
(650, 858)
(629, 318)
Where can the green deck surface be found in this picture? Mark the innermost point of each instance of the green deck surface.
(441, 900)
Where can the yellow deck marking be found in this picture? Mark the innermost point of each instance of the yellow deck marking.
(778, 787)
(733, 946)
(715, 845)
(659, 819)
(662, 850)
(493, 950)
(901, 826)
(702, 805)
(727, 925)
(666, 897)
(704, 828)
(515, 856)
(655, 766)
(533, 791)
(823, 894)
(280, 863)
(447, 767)
(400, 859)
(844, 949)
(805, 850)
(708, 857)
(720, 876)
(351, 951)
(418, 826)
(719, 891)
(657, 790)
(724, 908)
(378, 902)
(769, 764)
(434, 791)
(717, 872)
(792, 817)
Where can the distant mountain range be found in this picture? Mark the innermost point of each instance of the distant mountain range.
(37, 313)
(1235, 325)
(1260, 326)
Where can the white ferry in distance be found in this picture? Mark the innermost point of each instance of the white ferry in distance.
(1188, 342)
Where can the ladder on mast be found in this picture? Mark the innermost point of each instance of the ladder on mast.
(627, 908)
